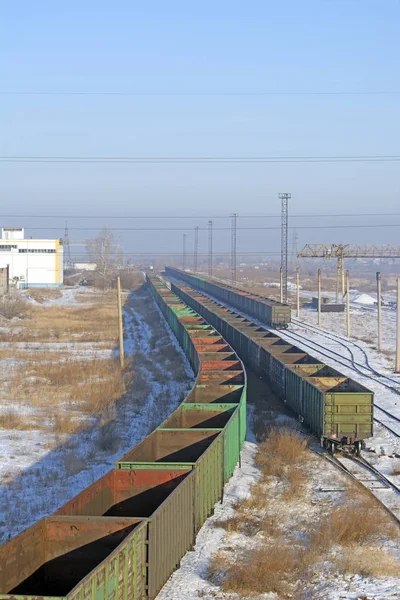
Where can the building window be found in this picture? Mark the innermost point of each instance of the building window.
(37, 250)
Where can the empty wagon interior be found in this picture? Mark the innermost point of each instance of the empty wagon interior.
(221, 377)
(199, 418)
(208, 356)
(314, 369)
(184, 446)
(209, 341)
(126, 493)
(221, 394)
(53, 556)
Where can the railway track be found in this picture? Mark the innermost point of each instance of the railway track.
(388, 421)
(345, 343)
(360, 470)
(391, 422)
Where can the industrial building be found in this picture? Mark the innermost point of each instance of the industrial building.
(31, 262)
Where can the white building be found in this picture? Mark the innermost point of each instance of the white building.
(32, 263)
(85, 266)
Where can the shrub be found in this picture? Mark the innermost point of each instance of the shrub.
(368, 562)
(13, 306)
(282, 448)
(261, 570)
(354, 524)
(12, 419)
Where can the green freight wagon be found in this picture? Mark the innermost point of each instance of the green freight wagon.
(163, 499)
(197, 449)
(269, 311)
(336, 408)
(70, 558)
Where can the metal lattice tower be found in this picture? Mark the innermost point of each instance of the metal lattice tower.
(295, 250)
(210, 248)
(196, 248)
(284, 241)
(233, 248)
(67, 247)
(184, 252)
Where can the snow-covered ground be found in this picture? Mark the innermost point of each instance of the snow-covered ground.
(383, 442)
(39, 472)
(325, 489)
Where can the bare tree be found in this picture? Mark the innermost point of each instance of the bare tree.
(101, 250)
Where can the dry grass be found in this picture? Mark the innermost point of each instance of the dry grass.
(282, 448)
(62, 423)
(251, 517)
(354, 523)
(12, 419)
(42, 295)
(368, 562)
(283, 454)
(14, 306)
(93, 323)
(270, 569)
(295, 481)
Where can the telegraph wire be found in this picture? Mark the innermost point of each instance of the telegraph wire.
(206, 217)
(374, 225)
(198, 159)
(200, 94)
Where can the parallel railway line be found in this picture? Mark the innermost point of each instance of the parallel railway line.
(358, 468)
(394, 422)
(365, 474)
(393, 425)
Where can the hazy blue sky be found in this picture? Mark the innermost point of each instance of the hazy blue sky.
(200, 48)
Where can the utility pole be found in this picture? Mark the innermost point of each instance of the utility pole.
(281, 284)
(348, 303)
(342, 277)
(196, 248)
(284, 241)
(298, 292)
(184, 252)
(210, 248)
(67, 247)
(379, 298)
(120, 325)
(233, 248)
(398, 329)
(319, 296)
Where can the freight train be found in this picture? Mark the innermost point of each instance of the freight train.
(123, 536)
(266, 310)
(338, 410)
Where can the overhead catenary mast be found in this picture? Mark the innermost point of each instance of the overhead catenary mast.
(284, 242)
(196, 248)
(233, 248)
(210, 248)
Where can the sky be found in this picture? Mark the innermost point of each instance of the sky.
(205, 79)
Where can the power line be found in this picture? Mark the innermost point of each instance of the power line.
(257, 216)
(340, 226)
(207, 93)
(198, 159)
(179, 254)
